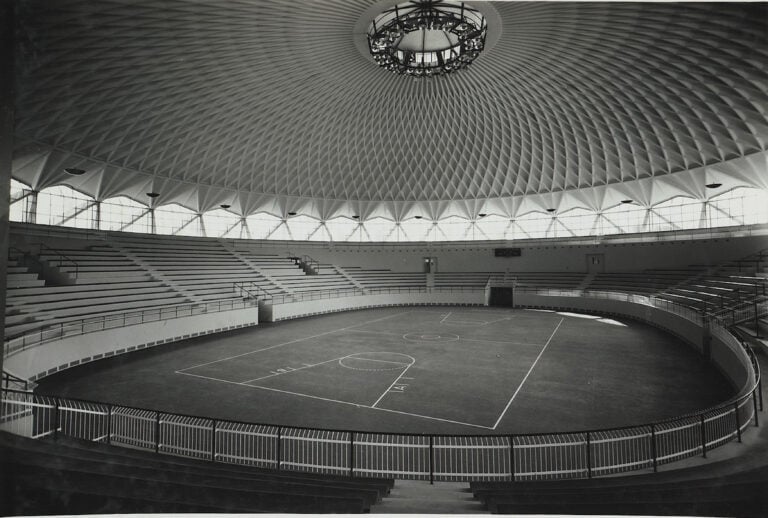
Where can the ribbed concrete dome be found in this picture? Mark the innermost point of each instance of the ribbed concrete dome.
(270, 105)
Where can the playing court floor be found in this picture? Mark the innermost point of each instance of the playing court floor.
(433, 370)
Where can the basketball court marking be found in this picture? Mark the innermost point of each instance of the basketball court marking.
(292, 341)
(291, 369)
(340, 359)
(400, 365)
(358, 405)
(471, 322)
(362, 357)
(415, 337)
(394, 382)
(527, 374)
(374, 332)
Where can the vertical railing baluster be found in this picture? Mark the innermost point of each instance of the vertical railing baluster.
(431, 460)
(589, 456)
(512, 457)
(157, 432)
(56, 419)
(279, 445)
(213, 440)
(736, 418)
(702, 426)
(109, 424)
(351, 454)
(754, 404)
(653, 449)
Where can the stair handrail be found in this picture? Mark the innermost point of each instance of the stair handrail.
(252, 290)
(312, 264)
(306, 262)
(62, 259)
(9, 378)
(19, 251)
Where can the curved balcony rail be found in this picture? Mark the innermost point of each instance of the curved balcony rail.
(52, 332)
(333, 293)
(541, 456)
(250, 293)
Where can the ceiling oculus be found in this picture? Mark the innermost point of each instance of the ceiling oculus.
(427, 38)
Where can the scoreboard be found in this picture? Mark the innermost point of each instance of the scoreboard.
(508, 252)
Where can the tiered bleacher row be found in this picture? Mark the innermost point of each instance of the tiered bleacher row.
(95, 281)
(55, 280)
(67, 476)
(384, 278)
(681, 492)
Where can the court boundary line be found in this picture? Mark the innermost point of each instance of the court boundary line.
(304, 367)
(336, 400)
(292, 342)
(354, 328)
(497, 341)
(530, 370)
(395, 382)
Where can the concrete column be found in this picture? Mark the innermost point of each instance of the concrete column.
(30, 208)
(96, 223)
(7, 93)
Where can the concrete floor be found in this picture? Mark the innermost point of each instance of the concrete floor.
(446, 370)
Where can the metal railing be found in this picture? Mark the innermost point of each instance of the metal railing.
(59, 258)
(12, 381)
(332, 293)
(251, 290)
(686, 312)
(51, 332)
(309, 265)
(745, 312)
(544, 456)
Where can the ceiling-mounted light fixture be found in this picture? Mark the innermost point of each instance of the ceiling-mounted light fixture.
(355, 216)
(225, 205)
(550, 210)
(424, 38)
(417, 217)
(626, 201)
(74, 171)
(153, 194)
(291, 213)
(482, 215)
(713, 185)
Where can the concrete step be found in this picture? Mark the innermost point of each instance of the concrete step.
(95, 302)
(23, 283)
(420, 497)
(21, 301)
(109, 278)
(84, 287)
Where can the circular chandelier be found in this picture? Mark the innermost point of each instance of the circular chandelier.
(427, 38)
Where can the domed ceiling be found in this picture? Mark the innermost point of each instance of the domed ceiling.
(270, 105)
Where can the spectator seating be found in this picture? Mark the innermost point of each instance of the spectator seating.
(203, 270)
(327, 278)
(101, 282)
(68, 476)
(384, 278)
(561, 280)
(668, 493)
(21, 277)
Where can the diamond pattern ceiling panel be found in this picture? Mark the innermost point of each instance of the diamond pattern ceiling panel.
(273, 98)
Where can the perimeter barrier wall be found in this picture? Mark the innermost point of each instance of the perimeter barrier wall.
(557, 455)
